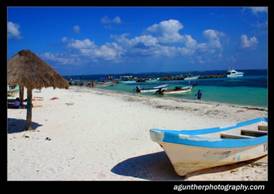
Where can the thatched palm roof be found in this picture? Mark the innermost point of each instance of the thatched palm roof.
(28, 70)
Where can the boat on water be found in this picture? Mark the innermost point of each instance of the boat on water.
(193, 150)
(192, 77)
(176, 90)
(150, 80)
(105, 83)
(127, 79)
(153, 89)
(234, 74)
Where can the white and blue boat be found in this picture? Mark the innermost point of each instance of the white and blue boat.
(153, 89)
(178, 90)
(194, 150)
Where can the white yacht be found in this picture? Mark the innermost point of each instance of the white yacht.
(233, 73)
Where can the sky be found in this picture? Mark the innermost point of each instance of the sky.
(106, 40)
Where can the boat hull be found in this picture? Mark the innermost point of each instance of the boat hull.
(234, 76)
(154, 89)
(188, 159)
(194, 150)
(177, 91)
(151, 90)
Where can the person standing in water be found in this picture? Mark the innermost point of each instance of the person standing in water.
(199, 95)
(138, 89)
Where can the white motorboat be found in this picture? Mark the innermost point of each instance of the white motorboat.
(233, 73)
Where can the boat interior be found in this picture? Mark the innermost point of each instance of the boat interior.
(247, 132)
(242, 133)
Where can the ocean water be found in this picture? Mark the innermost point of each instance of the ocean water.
(250, 90)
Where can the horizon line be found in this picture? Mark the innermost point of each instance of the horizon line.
(155, 72)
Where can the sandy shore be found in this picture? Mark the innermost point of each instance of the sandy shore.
(92, 134)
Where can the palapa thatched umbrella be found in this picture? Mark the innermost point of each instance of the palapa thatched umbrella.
(28, 70)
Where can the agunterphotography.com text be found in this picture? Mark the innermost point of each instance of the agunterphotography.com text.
(219, 187)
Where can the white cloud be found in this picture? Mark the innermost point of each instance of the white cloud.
(167, 31)
(164, 38)
(76, 29)
(108, 51)
(144, 45)
(158, 40)
(147, 40)
(189, 41)
(13, 30)
(86, 47)
(162, 50)
(256, 10)
(60, 58)
(214, 38)
(153, 44)
(248, 42)
(81, 44)
(108, 21)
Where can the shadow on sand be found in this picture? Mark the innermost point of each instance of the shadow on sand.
(18, 125)
(156, 166)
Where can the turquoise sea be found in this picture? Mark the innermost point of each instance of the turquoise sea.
(250, 90)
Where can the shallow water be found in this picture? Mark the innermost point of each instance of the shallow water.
(250, 90)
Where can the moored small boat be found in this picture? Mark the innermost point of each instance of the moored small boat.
(192, 77)
(105, 84)
(193, 150)
(153, 89)
(177, 90)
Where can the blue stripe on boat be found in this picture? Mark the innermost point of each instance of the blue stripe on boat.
(172, 136)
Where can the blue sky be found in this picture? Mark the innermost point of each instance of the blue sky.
(95, 40)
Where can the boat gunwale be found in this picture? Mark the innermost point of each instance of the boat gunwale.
(190, 137)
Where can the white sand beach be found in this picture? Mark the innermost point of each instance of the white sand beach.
(93, 134)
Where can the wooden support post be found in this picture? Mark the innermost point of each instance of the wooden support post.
(29, 109)
(21, 95)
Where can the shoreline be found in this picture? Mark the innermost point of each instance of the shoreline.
(196, 107)
(97, 134)
(251, 107)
